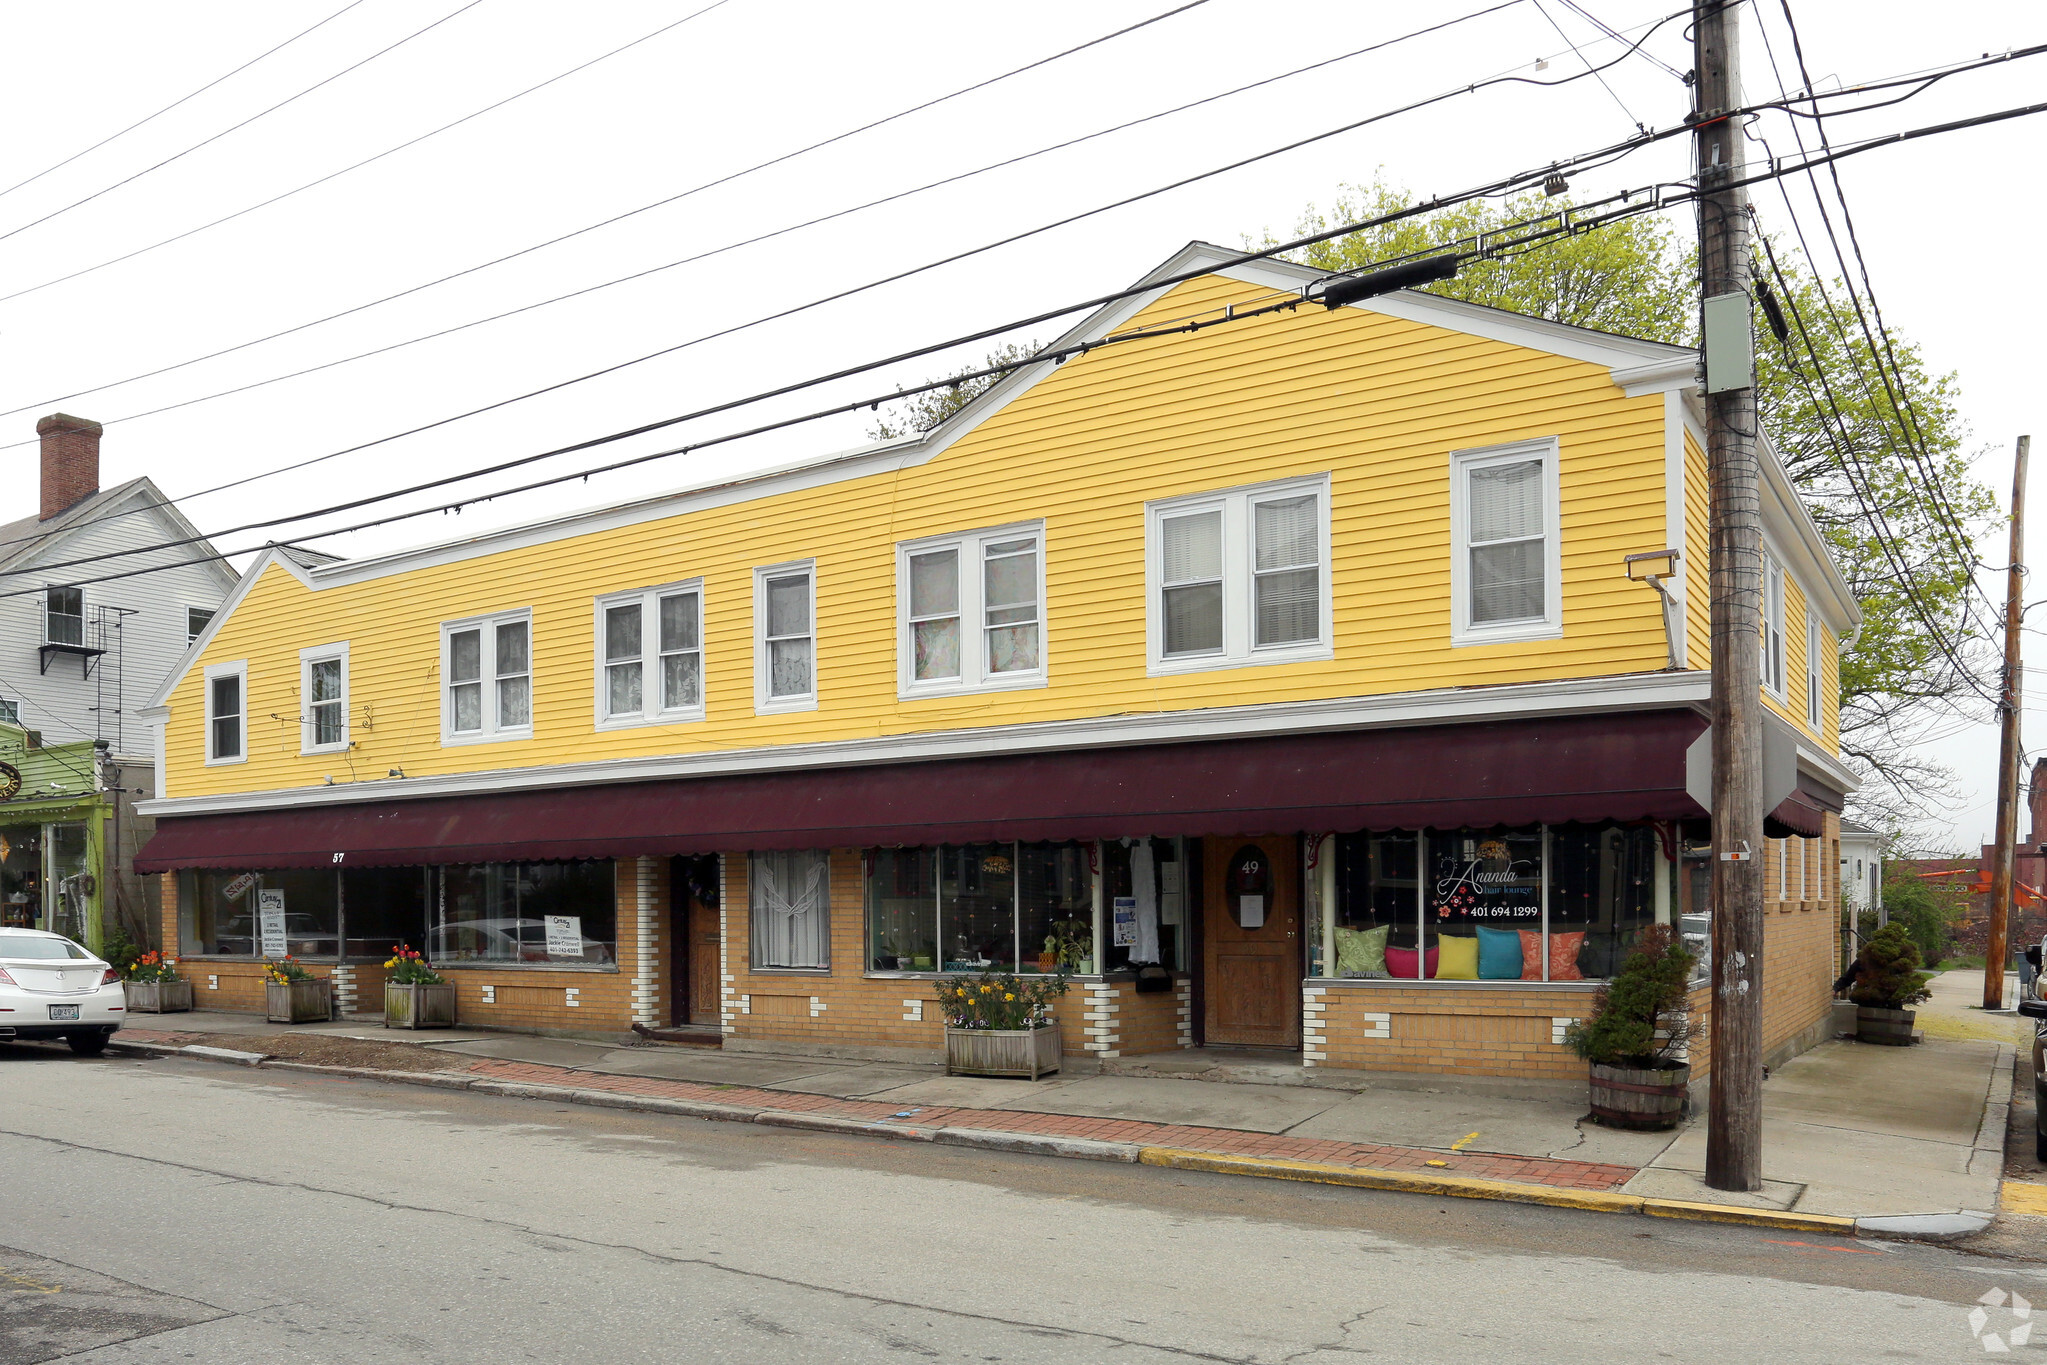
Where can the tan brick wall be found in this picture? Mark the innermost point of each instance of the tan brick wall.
(1467, 1029)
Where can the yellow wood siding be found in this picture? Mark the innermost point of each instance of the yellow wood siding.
(1698, 548)
(1375, 402)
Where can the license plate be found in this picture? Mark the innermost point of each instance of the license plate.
(63, 1011)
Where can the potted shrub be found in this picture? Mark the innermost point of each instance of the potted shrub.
(1887, 981)
(415, 995)
(294, 995)
(998, 1024)
(154, 986)
(1640, 1025)
(1069, 948)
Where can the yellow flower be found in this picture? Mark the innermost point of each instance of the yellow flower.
(1008, 996)
(986, 989)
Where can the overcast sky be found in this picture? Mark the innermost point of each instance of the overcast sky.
(1947, 224)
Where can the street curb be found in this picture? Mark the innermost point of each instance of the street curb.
(826, 1123)
(1033, 1144)
(1469, 1187)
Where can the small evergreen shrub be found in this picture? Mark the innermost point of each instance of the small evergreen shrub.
(1887, 974)
(1642, 1017)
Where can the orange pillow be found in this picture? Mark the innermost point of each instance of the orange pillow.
(1563, 956)
(1531, 955)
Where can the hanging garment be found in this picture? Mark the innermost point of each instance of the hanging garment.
(1144, 885)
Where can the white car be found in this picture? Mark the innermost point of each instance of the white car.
(52, 988)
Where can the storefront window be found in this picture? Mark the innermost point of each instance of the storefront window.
(976, 907)
(312, 910)
(1129, 924)
(21, 876)
(524, 913)
(383, 907)
(212, 923)
(69, 901)
(1562, 903)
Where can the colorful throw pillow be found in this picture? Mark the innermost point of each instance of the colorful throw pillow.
(1499, 954)
(1531, 954)
(1563, 956)
(1401, 963)
(1459, 958)
(1362, 952)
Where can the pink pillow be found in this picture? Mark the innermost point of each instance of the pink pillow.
(1563, 956)
(1401, 962)
(1531, 955)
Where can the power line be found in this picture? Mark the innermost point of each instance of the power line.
(1620, 149)
(128, 180)
(111, 137)
(1635, 202)
(722, 180)
(686, 260)
(1611, 92)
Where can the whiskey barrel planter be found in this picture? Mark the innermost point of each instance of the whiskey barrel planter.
(1891, 1028)
(1002, 1052)
(298, 1002)
(419, 1006)
(158, 997)
(1642, 1098)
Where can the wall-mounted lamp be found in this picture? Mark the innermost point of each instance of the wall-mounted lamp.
(1643, 568)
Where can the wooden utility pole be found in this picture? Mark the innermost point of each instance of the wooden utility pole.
(1734, 1132)
(2007, 745)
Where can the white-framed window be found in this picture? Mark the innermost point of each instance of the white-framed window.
(64, 616)
(791, 924)
(785, 637)
(650, 655)
(1773, 625)
(1783, 868)
(227, 712)
(487, 678)
(970, 611)
(1813, 711)
(10, 711)
(1238, 577)
(323, 698)
(196, 621)
(1506, 544)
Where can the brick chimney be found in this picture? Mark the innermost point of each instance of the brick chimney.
(71, 462)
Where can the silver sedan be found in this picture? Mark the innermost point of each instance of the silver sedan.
(51, 987)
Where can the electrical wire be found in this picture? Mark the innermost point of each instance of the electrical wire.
(1629, 145)
(1550, 19)
(722, 180)
(146, 170)
(1650, 203)
(670, 265)
(111, 137)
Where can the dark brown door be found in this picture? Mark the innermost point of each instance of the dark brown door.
(703, 963)
(1251, 941)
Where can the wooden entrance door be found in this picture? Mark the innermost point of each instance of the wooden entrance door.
(703, 962)
(1251, 941)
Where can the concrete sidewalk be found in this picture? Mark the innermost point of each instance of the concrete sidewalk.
(1905, 1140)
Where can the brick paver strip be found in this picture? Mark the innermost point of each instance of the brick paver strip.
(1577, 1175)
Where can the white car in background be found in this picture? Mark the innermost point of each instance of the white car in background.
(52, 988)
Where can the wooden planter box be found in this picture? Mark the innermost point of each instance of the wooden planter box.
(157, 997)
(1892, 1028)
(1639, 1098)
(299, 1002)
(419, 1006)
(1002, 1052)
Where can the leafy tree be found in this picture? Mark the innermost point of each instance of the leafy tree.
(924, 411)
(1884, 481)
(1928, 911)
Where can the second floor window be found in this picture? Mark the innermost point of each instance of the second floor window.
(488, 669)
(196, 620)
(64, 616)
(650, 655)
(1505, 557)
(226, 710)
(1773, 626)
(1240, 577)
(785, 639)
(1813, 711)
(323, 697)
(970, 612)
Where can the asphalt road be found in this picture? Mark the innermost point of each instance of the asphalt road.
(171, 1210)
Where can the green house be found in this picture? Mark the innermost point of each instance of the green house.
(63, 812)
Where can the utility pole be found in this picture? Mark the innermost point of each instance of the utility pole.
(1734, 1132)
(2007, 745)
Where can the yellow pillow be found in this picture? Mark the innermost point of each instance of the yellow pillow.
(1457, 958)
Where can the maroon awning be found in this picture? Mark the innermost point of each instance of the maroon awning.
(1804, 812)
(1626, 766)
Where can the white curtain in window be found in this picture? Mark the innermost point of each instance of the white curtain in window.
(1505, 532)
(791, 920)
(1144, 887)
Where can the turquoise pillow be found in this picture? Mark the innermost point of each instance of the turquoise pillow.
(1361, 952)
(1499, 954)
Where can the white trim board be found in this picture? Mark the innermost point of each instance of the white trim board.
(1573, 696)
